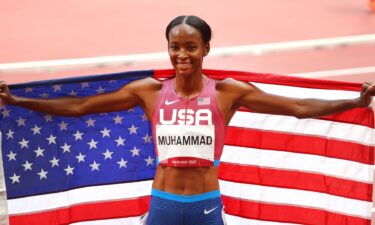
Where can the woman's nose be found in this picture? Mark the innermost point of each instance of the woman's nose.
(182, 53)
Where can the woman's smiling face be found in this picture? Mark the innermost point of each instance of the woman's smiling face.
(186, 49)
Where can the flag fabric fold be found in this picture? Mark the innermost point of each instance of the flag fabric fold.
(3, 195)
(98, 169)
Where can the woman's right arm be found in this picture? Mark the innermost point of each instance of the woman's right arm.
(126, 97)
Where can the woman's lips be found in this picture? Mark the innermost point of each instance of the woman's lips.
(183, 65)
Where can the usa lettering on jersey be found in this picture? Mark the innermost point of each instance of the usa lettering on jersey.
(187, 117)
(185, 134)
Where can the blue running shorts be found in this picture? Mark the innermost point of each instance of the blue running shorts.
(173, 209)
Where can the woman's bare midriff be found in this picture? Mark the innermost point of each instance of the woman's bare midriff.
(186, 180)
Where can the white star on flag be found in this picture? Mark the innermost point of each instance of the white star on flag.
(92, 143)
(5, 113)
(105, 132)
(36, 129)
(78, 135)
(107, 154)
(90, 122)
(133, 129)
(39, 152)
(84, 84)
(24, 143)
(120, 141)
(95, 166)
(43, 174)
(15, 178)
(10, 134)
(100, 90)
(12, 156)
(144, 117)
(21, 122)
(65, 147)
(118, 119)
(147, 138)
(48, 118)
(135, 151)
(51, 139)
(69, 170)
(63, 126)
(149, 160)
(57, 87)
(27, 165)
(44, 95)
(80, 157)
(73, 93)
(54, 162)
(28, 90)
(122, 163)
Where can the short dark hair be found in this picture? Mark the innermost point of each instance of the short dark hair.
(193, 21)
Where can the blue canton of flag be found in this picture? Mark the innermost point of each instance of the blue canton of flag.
(47, 154)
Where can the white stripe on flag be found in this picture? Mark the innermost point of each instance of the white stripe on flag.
(300, 92)
(314, 127)
(307, 199)
(81, 195)
(300, 162)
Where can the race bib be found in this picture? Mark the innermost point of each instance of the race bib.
(185, 145)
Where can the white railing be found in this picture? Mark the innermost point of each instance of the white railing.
(256, 49)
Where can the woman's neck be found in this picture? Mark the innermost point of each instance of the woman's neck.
(189, 86)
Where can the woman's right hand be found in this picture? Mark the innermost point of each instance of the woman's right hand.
(5, 94)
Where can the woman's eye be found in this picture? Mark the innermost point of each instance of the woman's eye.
(174, 47)
(192, 48)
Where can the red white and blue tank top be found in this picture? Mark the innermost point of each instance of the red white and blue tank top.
(188, 132)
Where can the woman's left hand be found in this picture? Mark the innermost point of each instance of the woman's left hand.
(367, 93)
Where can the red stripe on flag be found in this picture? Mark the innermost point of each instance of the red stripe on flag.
(352, 116)
(270, 79)
(296, 180)
(288, 214)
(85, 212)
(261, 139)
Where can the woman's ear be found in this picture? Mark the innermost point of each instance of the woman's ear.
(206, 48)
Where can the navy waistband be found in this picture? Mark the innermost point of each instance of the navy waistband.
(186, 198)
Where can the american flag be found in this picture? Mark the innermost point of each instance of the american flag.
(97, 169)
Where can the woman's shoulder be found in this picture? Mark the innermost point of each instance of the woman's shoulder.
(230, 84)
(148, 83)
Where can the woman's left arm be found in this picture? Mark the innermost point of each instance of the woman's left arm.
(255, 99)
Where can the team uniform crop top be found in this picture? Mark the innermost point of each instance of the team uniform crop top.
(188, 133)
